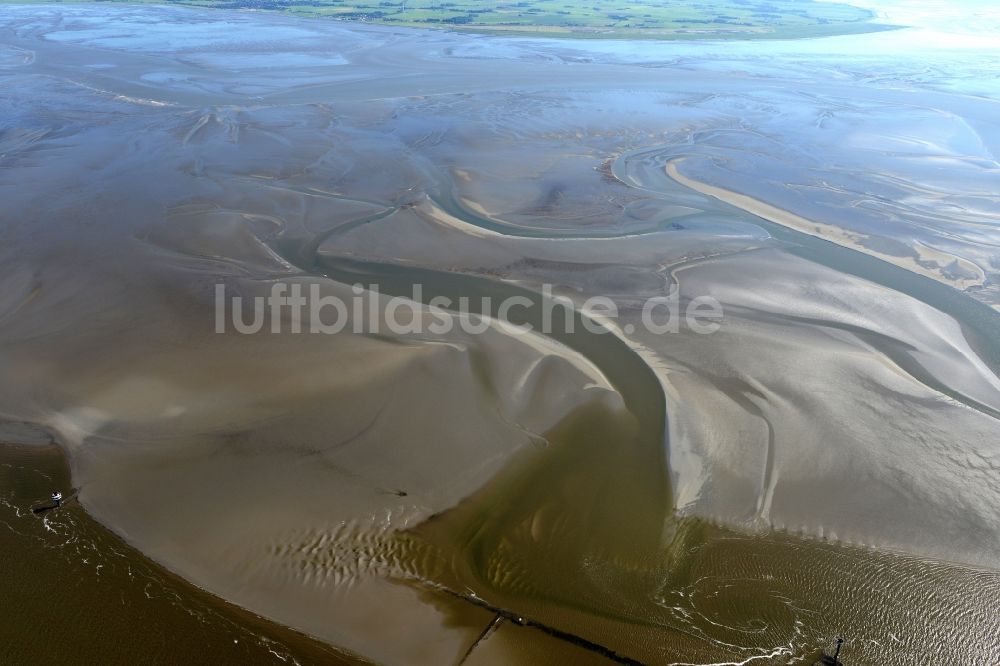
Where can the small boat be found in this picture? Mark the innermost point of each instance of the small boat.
(57, 498)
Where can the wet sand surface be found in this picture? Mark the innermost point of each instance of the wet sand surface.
(825, 463)
(74, 593)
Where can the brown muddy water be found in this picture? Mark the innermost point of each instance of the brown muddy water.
(824, 464)
(74, 593)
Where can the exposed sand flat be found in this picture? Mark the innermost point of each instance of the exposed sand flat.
(824, 463)
(835, 234)
(426, 235)
(364, 456)
(797, 437)
(826, 330)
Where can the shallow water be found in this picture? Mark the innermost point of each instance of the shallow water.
(824, 464)
(74, 592)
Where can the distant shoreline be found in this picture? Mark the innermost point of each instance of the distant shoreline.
(706, 27)
(653, 35)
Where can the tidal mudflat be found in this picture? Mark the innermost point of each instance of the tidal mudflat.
(825, 463)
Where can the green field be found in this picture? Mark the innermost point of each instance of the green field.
(661, 19)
